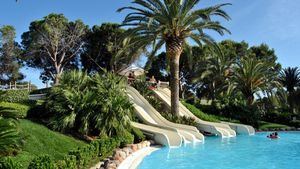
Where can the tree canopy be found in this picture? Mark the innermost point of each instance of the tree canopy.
(53, 45)
(9, 53)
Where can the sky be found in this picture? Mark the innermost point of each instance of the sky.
(274, 22)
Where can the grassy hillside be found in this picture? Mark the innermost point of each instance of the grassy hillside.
(41, 140)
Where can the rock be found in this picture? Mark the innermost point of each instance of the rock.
(148, 143)
(133, 147)
(127, 150)
(118, 163)
(111, 165)
(139, 146)
(123, 155)
(105, 164)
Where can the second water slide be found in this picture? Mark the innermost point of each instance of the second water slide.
(219, 129)
(149, 116)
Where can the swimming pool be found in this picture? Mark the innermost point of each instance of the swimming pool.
(242, 152)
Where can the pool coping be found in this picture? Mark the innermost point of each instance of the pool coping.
(134, 160)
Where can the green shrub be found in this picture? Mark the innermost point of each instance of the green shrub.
(96, 105)
(11, 140)
(127, 138)
(98, 149)
(199, 113)
(138, 135)
(69, 162)
(14, 96)
(83, 157)
(19, 110)
(41, 91)
(42, 162)
(295, 123)
(8, 163)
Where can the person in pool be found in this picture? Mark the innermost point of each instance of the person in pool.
(273, 135)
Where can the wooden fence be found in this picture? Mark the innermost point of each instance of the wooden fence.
(16, 86)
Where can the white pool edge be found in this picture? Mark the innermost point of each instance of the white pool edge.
(134, 160)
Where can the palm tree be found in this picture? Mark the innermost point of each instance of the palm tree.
(10, 139)
(251, 76)
(290, 79)
(90, 105)
(172, 23)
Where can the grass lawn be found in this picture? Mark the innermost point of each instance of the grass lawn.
(267, 125)
(41, 140)
(22, 109)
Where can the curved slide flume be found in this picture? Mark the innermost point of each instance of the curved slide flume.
(164, 137)
(151, 117)
(220, 129)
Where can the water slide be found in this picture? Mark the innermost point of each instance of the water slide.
(220, 129)
(155, 123)
(169, 138)
(223, 129)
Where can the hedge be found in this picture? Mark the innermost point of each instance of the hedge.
(20, 110)
(41, 91)
(14, 96)
(83, 157)
(199, 113)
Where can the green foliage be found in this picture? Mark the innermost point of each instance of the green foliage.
(267, 126)
(46, 37)
(41, 141)
(42, 162)
(15, 110)
(95, 105)
(103, 44)
(138, 135)
(127, 138)
(69, 162)
(9, 163)
(41, 91)
(97, 149)
(14, 96)
(295, 123)
(83, 157)
(180, 120)
(116, 109)
(9, 54)
(10, 138)
(251, 76)
(199, 113)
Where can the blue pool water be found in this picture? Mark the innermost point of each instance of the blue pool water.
(242, 152)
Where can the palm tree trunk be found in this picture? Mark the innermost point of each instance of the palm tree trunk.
(250, 100)
(174, 50)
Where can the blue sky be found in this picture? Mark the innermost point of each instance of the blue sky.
(274, 22)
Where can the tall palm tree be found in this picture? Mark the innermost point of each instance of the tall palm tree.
(172, 23)
(251, 76)
(290, 79)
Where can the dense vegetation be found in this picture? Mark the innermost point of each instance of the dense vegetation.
(217, 81)
(90, 107)
(38, 137)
